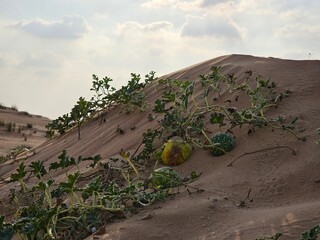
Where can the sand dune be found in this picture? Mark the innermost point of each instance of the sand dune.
(285, 188)
(28, 130)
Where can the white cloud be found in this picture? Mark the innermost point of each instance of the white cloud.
(42, 59)
(209, 3)
(129, 26)
(192, 5)
(299, 31)
(212, 26)
(2, 62)
(174, 4)
(70, 27)
(141, 42)
(158, 3)
(292, 15)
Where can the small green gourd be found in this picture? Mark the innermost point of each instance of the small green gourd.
(225, 143)
(164, 177)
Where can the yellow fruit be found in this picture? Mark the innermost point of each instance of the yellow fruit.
(176, 151)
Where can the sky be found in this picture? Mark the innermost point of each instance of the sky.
(49, 49)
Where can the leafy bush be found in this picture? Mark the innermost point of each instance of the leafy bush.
(14, 107)
(2, 159)
(129, 95)
(11, 127)
(312, 234)
(2, 106)
(19, 149)
(192, 120)
(80, 112)
(79, 205)
(105, 96)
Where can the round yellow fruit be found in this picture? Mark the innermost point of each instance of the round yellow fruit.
(176, 151)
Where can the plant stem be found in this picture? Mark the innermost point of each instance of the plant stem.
(132, 166)
(261, 150)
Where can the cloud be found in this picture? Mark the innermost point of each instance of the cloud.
(40, 60)
(208, 3)
(299, 30)
(191, 5)
(298, 38)
(210, 26)
(136, 26)
(157, 51)
(2, 62)
(70, 27)
(158, 3)
(174, 4)
(146, 40)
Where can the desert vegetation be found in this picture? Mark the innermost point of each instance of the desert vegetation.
(118, 187)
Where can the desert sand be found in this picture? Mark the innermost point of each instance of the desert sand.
(285, 188)
(29, 130)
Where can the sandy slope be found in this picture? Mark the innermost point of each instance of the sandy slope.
(35, 134)
(285, 191)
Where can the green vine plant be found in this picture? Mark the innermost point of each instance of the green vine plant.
(181, 114)
(80, 112)
(78, 206)
(311, 234)
(193, 120)
(130, 96)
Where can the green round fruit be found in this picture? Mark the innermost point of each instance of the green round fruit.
(225, 143)
(164, 177)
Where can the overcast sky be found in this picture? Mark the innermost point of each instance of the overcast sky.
(49, 49)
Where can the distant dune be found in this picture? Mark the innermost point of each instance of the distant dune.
(19, 129)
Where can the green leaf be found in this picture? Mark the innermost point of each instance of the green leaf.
(65, 161)
(150, 77)
(205, 93)
(57, 193)
(312, 234)
(95, 160)
(163, 178)
(273, 237)
(70, 186)
(21, 173)
(293, 121)
(168, 96)
(96, 185)
(6, 230)
(159, 106)
(1, 221)
(124, 153)
(41, 186)
(217, 118)
(194, 175)
(263, 83)
(38, 169)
